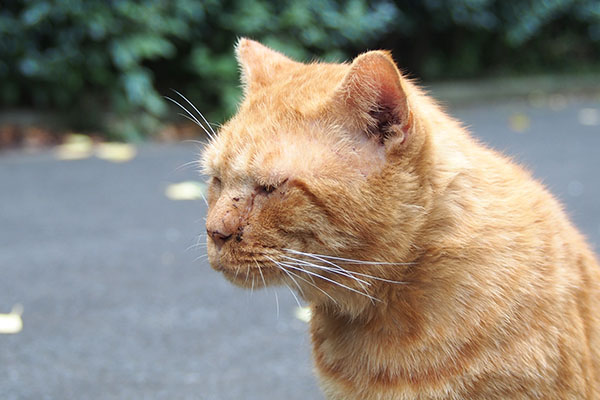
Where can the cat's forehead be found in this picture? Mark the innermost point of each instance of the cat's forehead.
(271, 153)
(302, 88)
(267, 150)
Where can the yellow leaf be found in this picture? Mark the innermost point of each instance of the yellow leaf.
(188, 190)
(303, 314)
(116, 152)
(12, 323)
(519, 122)
(75, 147)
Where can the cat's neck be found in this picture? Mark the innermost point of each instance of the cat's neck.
(405, 331)
(394, 305)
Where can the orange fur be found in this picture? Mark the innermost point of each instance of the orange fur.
(498, 292)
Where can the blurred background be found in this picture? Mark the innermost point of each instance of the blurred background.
(105, 291)
(103, 67)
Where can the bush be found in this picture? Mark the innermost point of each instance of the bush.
(91, 57)
(105, 65)
(465, 38)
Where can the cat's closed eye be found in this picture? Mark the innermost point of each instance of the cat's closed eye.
(216, 181)
(266, 189)
(270, 188)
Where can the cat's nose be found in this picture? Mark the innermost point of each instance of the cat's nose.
(219, 238)
(222, 224)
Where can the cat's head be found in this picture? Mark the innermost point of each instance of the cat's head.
(322, 164)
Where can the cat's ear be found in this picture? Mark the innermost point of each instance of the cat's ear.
(373, 96)
(259, 64)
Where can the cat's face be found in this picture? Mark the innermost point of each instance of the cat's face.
(300, 179)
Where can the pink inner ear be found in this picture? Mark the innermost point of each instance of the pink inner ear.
(391, 96)
(373, 87)
(384, 76)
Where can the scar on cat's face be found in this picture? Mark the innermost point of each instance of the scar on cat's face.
(300, 166)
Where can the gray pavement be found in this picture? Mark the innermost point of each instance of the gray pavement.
(117, 307)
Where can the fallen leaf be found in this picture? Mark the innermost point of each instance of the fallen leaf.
(303, 314)
(116, 152)
(12, 323)
(519, 122)
(589, 117)
(75, 147)
(188, 190)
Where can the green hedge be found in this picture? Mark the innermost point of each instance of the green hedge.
(107, 64)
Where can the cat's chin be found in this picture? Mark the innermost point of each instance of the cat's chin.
(250, 276)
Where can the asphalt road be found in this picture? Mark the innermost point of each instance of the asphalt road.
(116, 305)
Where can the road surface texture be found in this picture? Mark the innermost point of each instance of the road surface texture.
(116, 305)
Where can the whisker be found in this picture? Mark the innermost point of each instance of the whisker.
(378, 278)
(347, 273)
(280, 266)
(292, 292)
(331, 280)
(199, 113)
(311, 284)
(276, 302)
(200, 257)
(197, 246)
(204, 198)
(186, 165)
(337, 269)
(260, 272)
(311, 279)
(291, 277)
(265, 283)
(348, 260)
(187, 114)
(193, 118)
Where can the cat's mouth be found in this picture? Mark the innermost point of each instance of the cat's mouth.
(252, 273)
(248, 276)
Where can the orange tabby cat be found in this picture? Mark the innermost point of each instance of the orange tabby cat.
(435, 268)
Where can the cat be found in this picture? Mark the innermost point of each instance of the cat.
(435, 268)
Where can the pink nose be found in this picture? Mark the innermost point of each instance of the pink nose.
(223, 222)
(219, 238)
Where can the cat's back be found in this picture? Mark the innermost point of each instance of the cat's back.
(513, 237)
